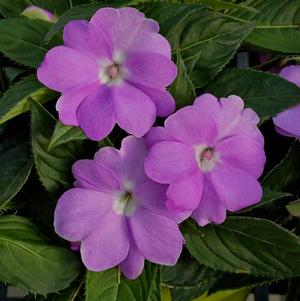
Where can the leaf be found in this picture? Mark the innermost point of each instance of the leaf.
(294, 208)
(82, 12)
(15, 100)
(22, 40)
(107, 286)
(188, 279)
(102, 286)
(12, 8)
(269, 197)
(182, 88)
(265, 93)
(54, 166)
(29, 261)
(63, 134)
(228, 295)
(246, 245)
(15, 169)
(205, 39)
(277, 24)
(285, 176)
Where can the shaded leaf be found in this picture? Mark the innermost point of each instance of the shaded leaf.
(294, 208)
(246, 245)
(15, 169)
(15, 99)
(22, 40)
(29, 261)
(54, 166)
(265, 93)
(63, 134)
(228, 295)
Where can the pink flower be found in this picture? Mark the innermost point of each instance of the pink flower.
(211, 155)
(117, 213)
(35, 12)
(288, 122)
(113, 69)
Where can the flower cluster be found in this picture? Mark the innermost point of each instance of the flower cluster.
(127, 203)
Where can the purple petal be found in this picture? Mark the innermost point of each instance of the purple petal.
(133, 265)
(151, 25)
(235, 187)
(210, 208)
(152, 196)
(185, 193)
(157, 134)
(157, 237)
(291, 73)
(244, 153)
(208, 102)
(152, 70)
(78, 211)
(168, 161)
(64, 68)
(91, 175)
(108, 157)
(96, 114)
(132, 153)
(289, 121)
(69, 102)
(192, 125)
(135, 112)
(108, 245)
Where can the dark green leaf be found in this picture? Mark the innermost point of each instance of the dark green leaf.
(29, 261)
(53, 167)
(102, 286)
(15, 169)
(265, 93)
(12, 73)
(12, 8)
(83, 12)
(285, 176)
(63, 134)
(22, 40)
(246, 245)
(205, 39)
(15, 99)
(107, 286)
(182, 88)
(188, 279)
(277, 24)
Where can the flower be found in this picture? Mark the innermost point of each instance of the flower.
(35, 12)
(287, 123)
(117, 213)
(113, 69)
(211, 155)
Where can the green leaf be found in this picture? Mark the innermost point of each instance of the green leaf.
(15, 100)
(265, 93)
(182, 88)
(228, 295)
(277, 24)
(102, 286)
(29, 261)
(15, 169)
(63, 134)
(107, 286)
(294, 208)
(12, 8)
(204, 52)
(54, 166)
(246, 245)
(285, 176)
(188, 279)
(22, 40)
(82, 12)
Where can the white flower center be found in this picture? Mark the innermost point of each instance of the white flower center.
(124, 204)
(206, 157)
